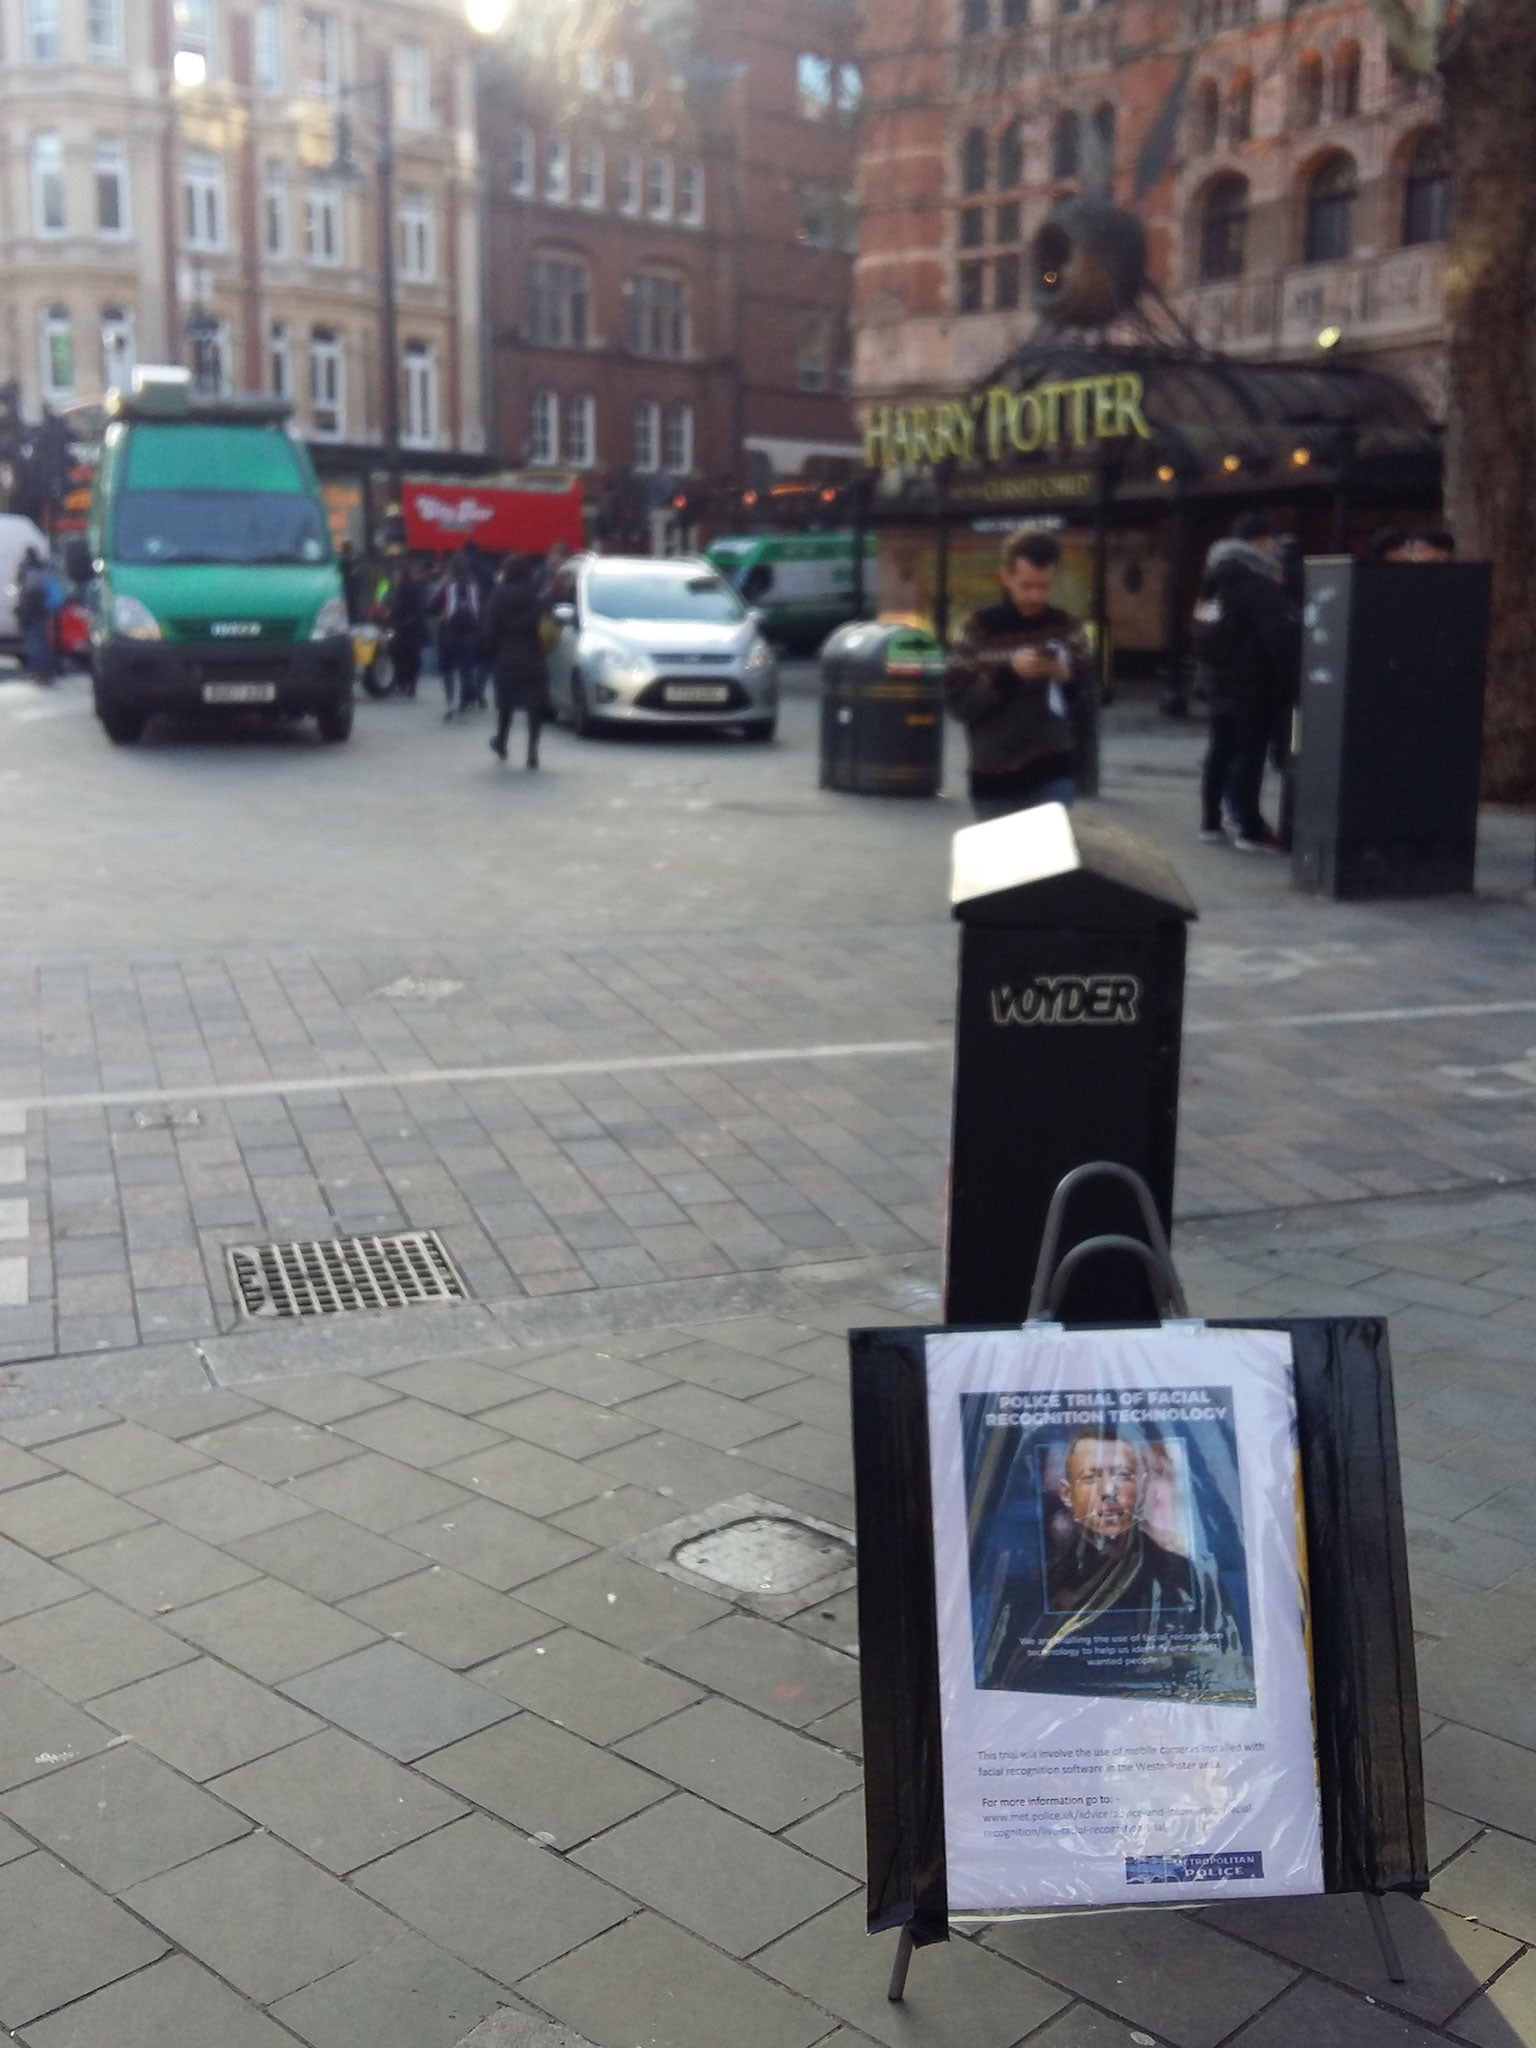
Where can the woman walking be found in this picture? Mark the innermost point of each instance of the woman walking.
(519, 670)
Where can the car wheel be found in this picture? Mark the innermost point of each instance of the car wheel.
(335, 722)
(763, 733)
(583, 724)
(122, 723)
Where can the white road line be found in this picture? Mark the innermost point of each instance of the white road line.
(664, 1062)
(438, 1077)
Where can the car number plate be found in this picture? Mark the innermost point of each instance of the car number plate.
(239, 693)
(698, 693)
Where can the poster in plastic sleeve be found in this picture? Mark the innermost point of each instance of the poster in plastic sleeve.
(1125, 1683)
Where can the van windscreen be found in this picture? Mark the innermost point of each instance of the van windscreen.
(221, 494)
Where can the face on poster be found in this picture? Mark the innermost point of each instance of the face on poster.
(1124, 1671)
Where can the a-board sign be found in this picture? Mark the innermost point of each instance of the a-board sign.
(1125, 1692)
(1134, 1619)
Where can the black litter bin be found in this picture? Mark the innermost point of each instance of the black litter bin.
(882, 710)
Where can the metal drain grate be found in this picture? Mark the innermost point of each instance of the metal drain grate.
(330, 1275)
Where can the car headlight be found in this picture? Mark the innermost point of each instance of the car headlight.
(759, 659)
(133, 619)
(623, 668)
(330, 620)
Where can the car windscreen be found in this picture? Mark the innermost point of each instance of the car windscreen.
(219, 526)
(680, 597)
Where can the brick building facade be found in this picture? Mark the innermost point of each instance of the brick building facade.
(669, 252)
(1289, 174)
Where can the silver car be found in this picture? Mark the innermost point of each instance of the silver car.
(646, 642)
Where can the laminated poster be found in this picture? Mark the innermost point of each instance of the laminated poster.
(1122, 1607)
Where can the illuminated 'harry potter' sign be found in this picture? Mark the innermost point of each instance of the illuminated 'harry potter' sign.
(990, 425)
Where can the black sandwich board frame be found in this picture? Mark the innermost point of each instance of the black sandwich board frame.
(1364, 1682)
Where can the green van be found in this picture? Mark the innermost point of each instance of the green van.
(214, 579)
(801, 585)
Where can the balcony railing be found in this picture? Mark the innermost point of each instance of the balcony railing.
(1368, 298)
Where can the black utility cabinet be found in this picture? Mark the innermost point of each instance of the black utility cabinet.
(1393, 668)
(1067, 1050)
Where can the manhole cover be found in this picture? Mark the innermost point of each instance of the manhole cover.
(765, 1554)
(766, 1557)
(328, 1276)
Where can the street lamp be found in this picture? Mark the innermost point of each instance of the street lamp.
(344, 169)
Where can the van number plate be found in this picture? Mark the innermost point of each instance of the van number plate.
(698, 693)
(239, 693)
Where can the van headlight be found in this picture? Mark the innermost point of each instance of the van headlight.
(133, 619)
(759, 659)
(330, 620)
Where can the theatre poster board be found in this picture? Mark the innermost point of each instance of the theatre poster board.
(1121, 1595)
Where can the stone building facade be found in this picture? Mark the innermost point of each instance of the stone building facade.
(1289, 174)
(167, 195)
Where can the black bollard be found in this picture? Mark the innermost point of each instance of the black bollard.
(1067, 1050)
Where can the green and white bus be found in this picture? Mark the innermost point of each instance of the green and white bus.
(801, 585)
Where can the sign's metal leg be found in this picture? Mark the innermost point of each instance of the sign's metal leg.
(899, 1968)
(1384, 1941)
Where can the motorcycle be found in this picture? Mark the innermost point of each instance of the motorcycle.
(373, 656)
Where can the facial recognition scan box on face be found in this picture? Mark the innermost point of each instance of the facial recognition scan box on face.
(1394, 661)
(1067, 1050)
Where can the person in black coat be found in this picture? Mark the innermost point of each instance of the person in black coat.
(519, 670)
(409, 626)
(1247, 643)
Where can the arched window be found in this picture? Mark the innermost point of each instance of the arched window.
(973, 162)
(1309, 90)
(1223, 229)
(1346, 81)
(975, 17)
(1331, 197)
(1067, 146)
(658, 315)
(1104, 128)
(1015, 13)
(1010, 156)
(1240, 108)
(1427, 192)
(1206, 117)
(559, 301)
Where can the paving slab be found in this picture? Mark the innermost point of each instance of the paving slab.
(13, 1844)
(273, 1446)
(521, 2030)
(411, 1994)
(494, 1544)
(337, 1801)
(123, 1459)
(170, 2003)
(319, 1396)
(186, 1415)
(616, 1514)
(270, 1630)
(40, 1730)
(398, 1700)
(261, 1917)
(64, 1513)
(586, 1685)
(122, 1816)
(835, 1835)
(623, 1603)
(495, 1900)
(1467, 1772)
(648, 1981)
(603, 1377)
(378, 1493)
(560, 1422)
(750, 1766)
(767, 1667)
(88, 1646)
(19, 1467)
(1493, 1882)
(219, 1504)
(729, 1883)
(1323, 2016)
(536, 1482)
(159, 1569)
(1182, 1981)
(27, 1583)
(203, 1718)
(1505, 2014)
(327, 1556)
(465, 1386)
(545, 1780)
(452, 1619)
(62, 1939)
(417, 1433)
(703, 1414)
(959, 1994)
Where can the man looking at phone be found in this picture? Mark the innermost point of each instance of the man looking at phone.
(1016, 673)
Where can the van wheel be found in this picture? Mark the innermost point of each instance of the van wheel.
(335, 722)
(122, 723)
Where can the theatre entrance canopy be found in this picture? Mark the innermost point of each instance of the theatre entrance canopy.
(1072, 426)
